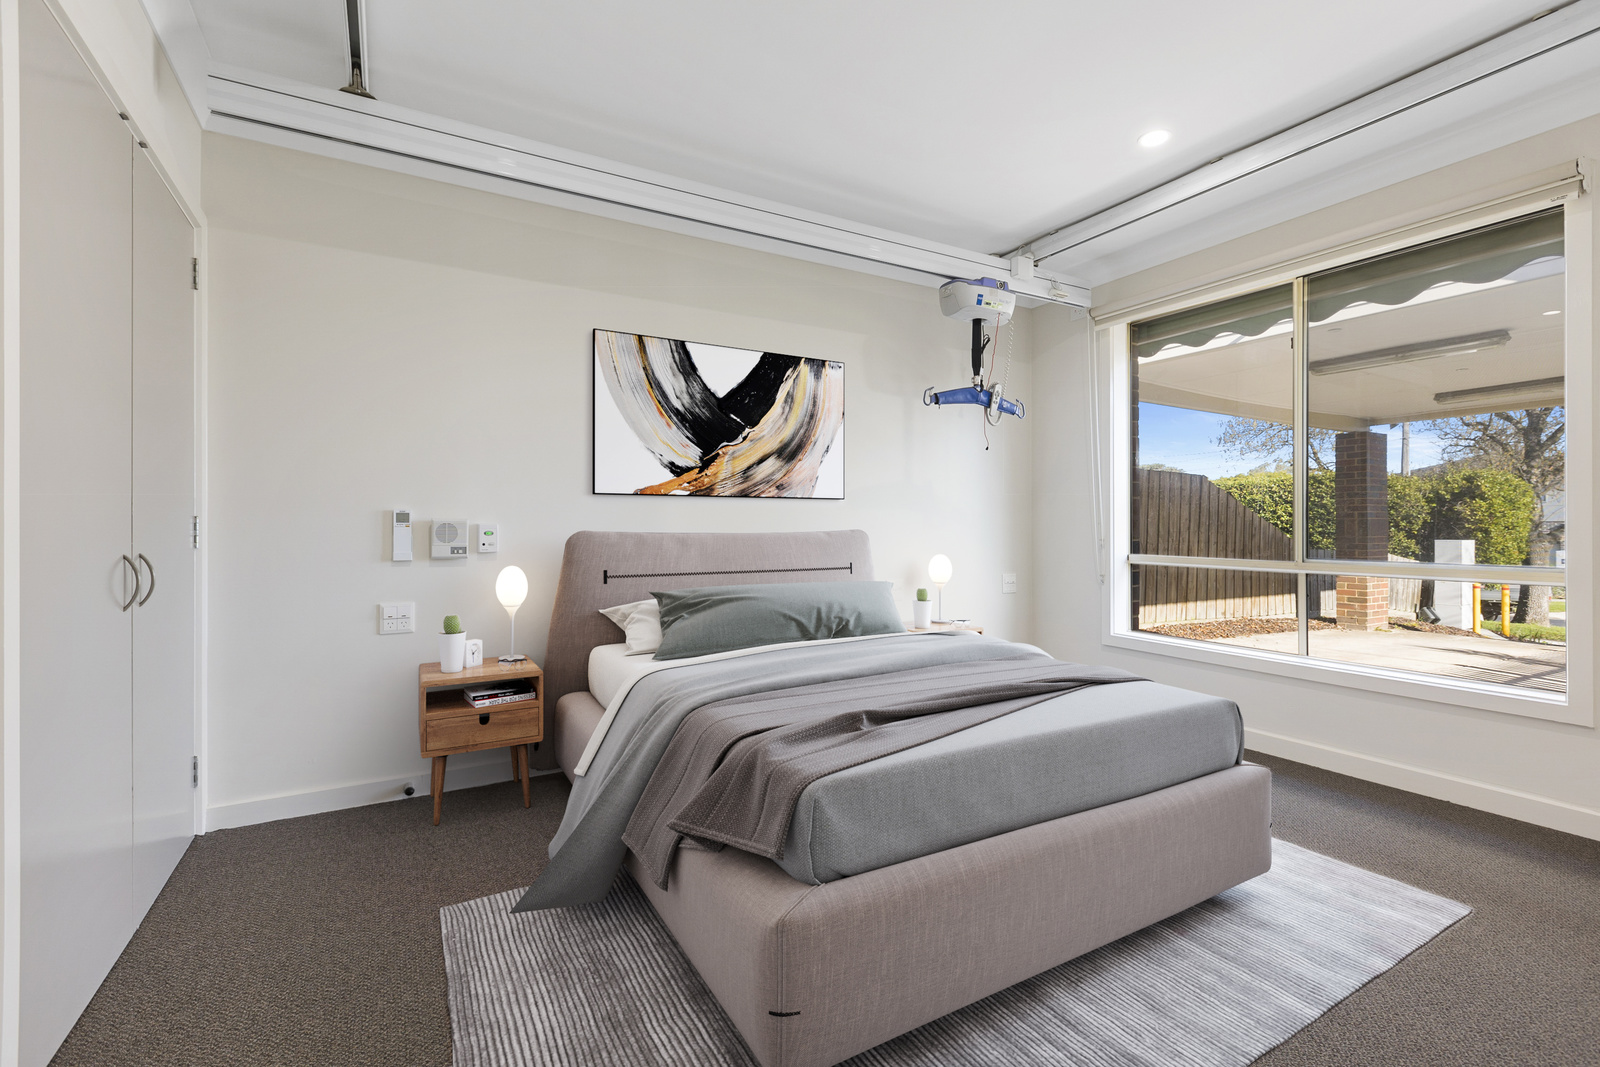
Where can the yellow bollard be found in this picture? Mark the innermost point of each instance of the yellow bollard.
(1477, 608)
(1505, 610)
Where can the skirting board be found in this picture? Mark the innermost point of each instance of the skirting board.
(1498, 800)
(465, 772)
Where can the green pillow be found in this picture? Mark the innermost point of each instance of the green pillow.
(720, 618)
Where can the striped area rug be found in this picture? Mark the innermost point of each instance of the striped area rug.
(1217, 985)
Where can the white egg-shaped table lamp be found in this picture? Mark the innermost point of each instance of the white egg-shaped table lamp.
(939, 572)
(511, 589)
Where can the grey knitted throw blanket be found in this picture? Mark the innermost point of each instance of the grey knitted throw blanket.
(734, 770)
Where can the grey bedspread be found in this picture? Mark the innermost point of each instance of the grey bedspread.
(587, 849)
(734, 771)
(1081, 750)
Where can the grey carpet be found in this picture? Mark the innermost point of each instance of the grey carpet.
(1215, 986)
(316, 940)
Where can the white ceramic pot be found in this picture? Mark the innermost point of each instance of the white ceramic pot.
(921, 614)
(452, 653)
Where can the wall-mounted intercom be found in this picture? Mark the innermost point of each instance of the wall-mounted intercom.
(400, 549)
(449, 539)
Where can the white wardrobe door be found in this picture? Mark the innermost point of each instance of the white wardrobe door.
(76, 722)
(163, 508)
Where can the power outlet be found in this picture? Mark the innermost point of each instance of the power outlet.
(397, 617)
(1008, 583)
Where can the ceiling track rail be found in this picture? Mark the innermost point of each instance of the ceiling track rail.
(355, 24)
(1548, 33)
(263, 102)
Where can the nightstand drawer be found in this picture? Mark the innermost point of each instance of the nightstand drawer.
(490, 728)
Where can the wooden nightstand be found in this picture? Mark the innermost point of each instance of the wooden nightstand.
(447, 724)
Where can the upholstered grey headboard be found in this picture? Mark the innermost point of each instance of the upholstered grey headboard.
(600, 569)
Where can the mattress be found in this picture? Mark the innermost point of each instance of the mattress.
(1085, 749)
(610, 670)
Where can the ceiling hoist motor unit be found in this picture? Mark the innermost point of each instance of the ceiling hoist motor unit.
(983, 300)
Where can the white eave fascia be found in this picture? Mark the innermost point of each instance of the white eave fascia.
(1566, 25)
(256, 105)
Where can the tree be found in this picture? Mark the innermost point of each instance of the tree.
(1249, 438)
(1530, 444)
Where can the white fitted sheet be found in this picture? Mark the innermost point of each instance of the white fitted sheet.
(610, 670)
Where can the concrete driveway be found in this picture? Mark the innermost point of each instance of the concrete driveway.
(1480, 659)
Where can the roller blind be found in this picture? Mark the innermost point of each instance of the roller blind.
(1483, 255)
(1249, 315)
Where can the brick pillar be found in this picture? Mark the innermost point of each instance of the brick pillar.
(1361, 530)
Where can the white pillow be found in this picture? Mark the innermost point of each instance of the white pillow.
(641, 622)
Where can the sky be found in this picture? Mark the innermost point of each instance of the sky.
(1187, 440)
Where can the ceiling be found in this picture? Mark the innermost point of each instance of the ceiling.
(977, 126)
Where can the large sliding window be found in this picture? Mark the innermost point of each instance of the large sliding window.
(1365, 465)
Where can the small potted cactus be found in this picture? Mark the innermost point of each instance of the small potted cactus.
(452, 645)
(922, 612)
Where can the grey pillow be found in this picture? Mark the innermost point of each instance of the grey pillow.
(720, 618)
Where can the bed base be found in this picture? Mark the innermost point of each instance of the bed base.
(812, 975)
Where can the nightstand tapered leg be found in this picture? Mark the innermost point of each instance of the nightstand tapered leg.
(521, 760)
(438, 785)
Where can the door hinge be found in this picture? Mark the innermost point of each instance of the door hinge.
(194, 531)
(194, 768)
(194, 272)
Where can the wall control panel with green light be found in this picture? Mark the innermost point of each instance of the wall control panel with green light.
(488, 537)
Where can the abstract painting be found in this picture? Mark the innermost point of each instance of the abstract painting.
(688, 419)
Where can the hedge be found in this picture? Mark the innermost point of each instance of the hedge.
(1493, 508)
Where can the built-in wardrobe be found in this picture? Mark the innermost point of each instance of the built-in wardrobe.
(107, 492)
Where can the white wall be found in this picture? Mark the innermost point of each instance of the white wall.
(1539, 771)
(378, 339)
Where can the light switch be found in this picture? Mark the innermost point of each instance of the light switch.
(1008, 583)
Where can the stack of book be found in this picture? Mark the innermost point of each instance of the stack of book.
(483, 696)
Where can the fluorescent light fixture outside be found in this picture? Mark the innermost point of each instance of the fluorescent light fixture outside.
(1536, 385)
(1380, 357)
(1155, 139)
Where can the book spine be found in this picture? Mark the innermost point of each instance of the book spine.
(509, 698)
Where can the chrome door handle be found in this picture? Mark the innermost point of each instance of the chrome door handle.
(151, 592)
(138, 580)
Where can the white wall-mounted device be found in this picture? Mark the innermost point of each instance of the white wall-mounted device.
(397, 617)
(449, 539)
(400, 548)
(488, 537)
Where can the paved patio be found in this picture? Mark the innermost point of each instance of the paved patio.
(1480, 659)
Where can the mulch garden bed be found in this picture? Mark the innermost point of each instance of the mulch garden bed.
(1429, 627)
(1217, 629)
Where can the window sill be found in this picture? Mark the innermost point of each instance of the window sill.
(1455, 692)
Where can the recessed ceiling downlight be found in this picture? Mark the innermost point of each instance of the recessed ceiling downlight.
(1155, 139)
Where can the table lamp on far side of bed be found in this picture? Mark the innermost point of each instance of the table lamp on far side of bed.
(511, 589)
(939, 571)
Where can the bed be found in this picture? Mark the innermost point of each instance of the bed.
(847, 944)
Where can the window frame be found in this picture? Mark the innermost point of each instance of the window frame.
(1112, 352)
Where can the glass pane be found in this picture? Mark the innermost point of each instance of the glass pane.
(1255, 609)
(1428, 628)
(1437, 405)
(1212, 395)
